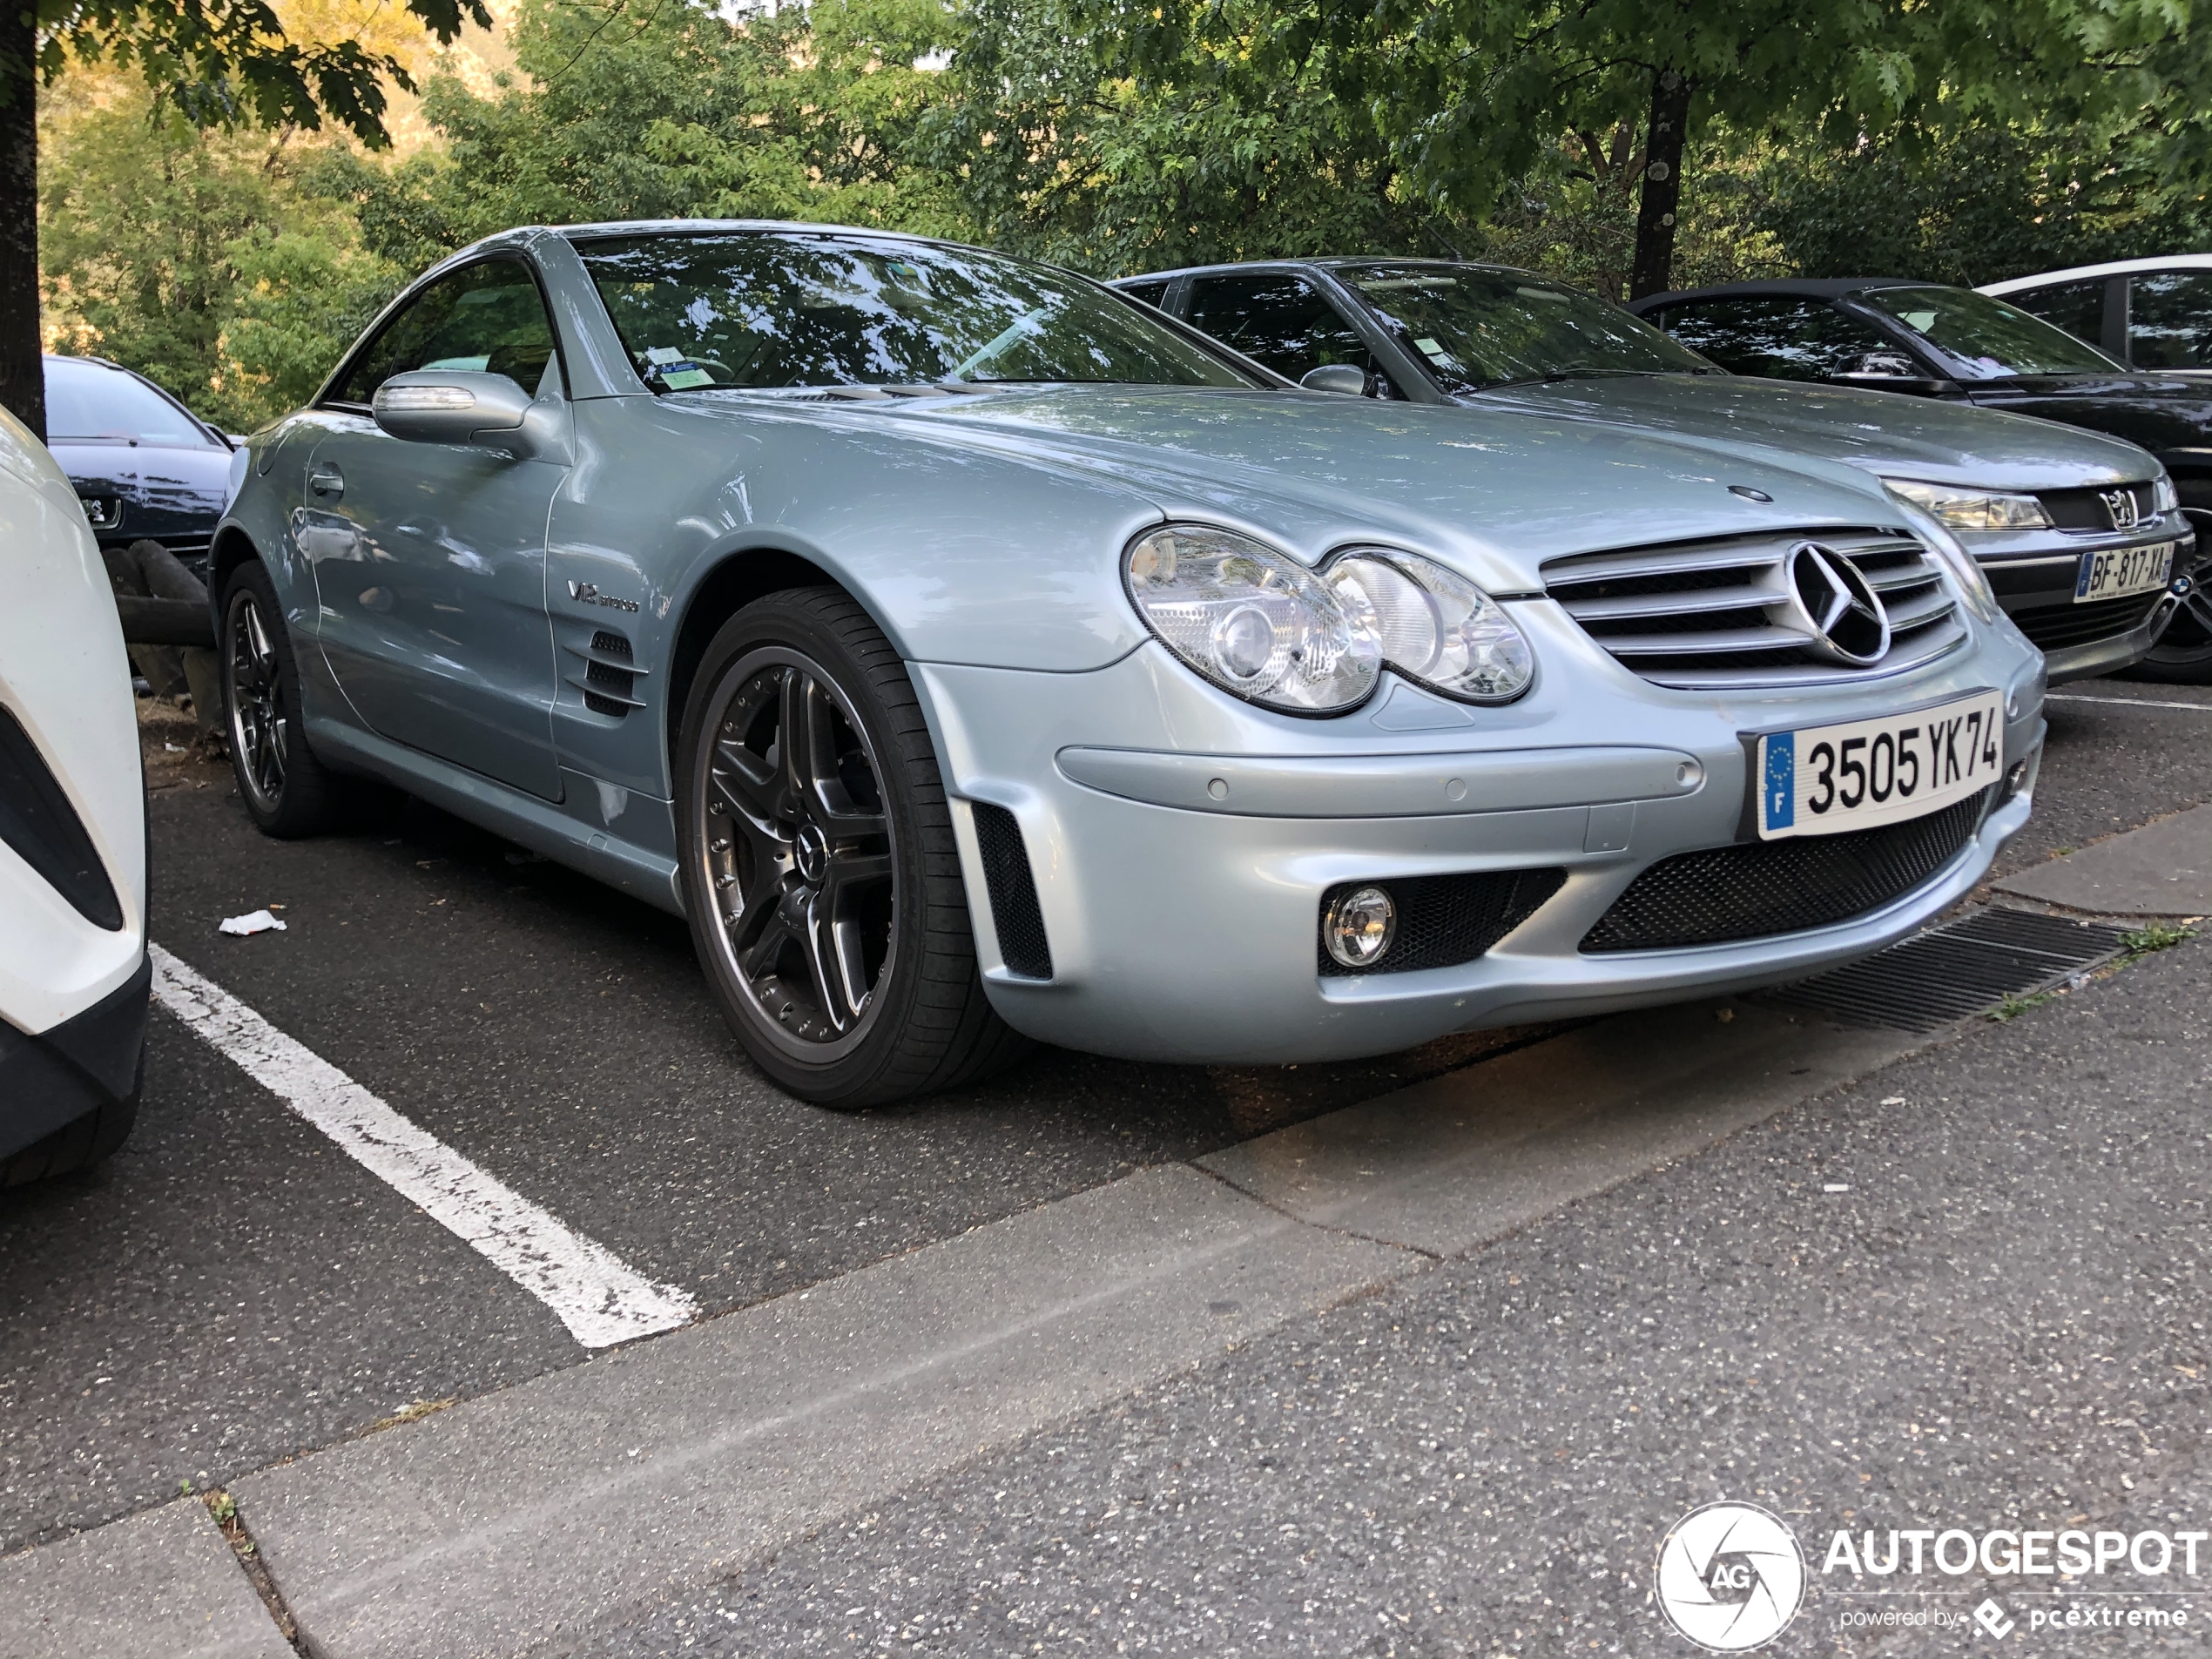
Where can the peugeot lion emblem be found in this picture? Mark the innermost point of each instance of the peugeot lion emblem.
(1849, 625)
(2120, 504)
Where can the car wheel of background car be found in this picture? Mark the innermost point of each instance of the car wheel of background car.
(819, 868)
(78, 1145)
(287, 791)
(2183, 654)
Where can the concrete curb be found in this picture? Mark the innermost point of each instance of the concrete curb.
(161, 1584)
(2162, 869)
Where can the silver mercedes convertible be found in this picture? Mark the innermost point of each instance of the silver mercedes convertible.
(972, 653)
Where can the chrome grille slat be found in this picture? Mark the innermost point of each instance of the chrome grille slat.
(1702, 615)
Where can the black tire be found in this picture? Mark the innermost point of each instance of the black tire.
(78, 1145)
(287, 791)
(824, 885)
(2183, 654)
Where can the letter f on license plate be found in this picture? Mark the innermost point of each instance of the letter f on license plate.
(1822, 780)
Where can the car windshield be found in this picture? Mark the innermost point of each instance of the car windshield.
(1989, 340)
(92, 403)
(759, 309)
(1479, 327)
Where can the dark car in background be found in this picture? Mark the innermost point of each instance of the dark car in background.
(145, 466)
(2025, 498)
(1931, 341)
(2150, 314)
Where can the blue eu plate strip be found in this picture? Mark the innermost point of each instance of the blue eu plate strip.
(1780, 791)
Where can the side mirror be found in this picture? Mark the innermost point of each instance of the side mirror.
(1885, 366)
(452, 406)
(1346, 378)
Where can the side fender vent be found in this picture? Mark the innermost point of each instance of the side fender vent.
(610, 672)
(37, 821)
(1014, 910)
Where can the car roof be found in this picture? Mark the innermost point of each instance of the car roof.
(1798, 288)
(2111, 268)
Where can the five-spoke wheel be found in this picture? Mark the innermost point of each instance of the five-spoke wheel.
(817, 860)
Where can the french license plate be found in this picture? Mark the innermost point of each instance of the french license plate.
(1827, 778)
(2115, 572)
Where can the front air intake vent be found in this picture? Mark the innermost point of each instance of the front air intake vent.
(44, 831)
(1759, 889)
(1730, 613)
(1014, 911)
(1445, 921)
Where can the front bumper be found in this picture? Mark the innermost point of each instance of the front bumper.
(2033, 574)
(77, 1067)
(1183, 917)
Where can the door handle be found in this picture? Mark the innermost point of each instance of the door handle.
(325, 480)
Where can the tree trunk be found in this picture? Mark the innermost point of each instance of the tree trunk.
(22, 376)
(1654, 257)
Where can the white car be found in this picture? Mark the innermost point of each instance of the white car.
(73, 968)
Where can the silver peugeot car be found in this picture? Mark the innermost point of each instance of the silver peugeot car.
(972, 654)
(2077, 531)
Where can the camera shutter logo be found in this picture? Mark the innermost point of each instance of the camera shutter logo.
(1730, 1576)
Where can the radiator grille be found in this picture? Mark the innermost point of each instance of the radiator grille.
(1013, 887)
(1721, 613)
(2086, 509)
(1757, 889)
(1445, 919)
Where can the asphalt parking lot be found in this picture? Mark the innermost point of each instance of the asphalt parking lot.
(232, 1291)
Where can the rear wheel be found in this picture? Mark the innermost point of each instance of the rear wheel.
(819, 869)
(287, 791)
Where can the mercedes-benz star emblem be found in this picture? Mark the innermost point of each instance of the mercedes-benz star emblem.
(1848, 622)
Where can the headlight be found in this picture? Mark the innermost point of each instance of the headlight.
(1434, 626)
(2164, 498)
(1264, 626)
(1972, 509)
(1251, 620)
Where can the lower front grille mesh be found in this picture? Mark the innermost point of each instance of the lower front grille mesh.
(1756, 889)
(1015, 914)
(2056, 627)
(1445, 919)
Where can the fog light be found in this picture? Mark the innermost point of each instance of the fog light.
(1359, 926)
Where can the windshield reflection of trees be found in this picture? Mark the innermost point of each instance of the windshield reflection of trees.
(784, 311)
(1489, 328)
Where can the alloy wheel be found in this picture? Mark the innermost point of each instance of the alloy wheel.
(798, 853)
(254, 691)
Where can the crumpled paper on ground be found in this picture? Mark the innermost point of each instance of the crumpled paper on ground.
(260, 921)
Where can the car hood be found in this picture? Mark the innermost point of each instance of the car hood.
(1880, 432)
(147, 471)
(1495, 491)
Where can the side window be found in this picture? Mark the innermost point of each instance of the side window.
(2169, 320)
(1785, 339)
(2077, 307)
(1153, 293)
(1282, 321)
(487, 317)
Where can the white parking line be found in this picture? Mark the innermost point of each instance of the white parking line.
(598, 1296)
(2126, 702)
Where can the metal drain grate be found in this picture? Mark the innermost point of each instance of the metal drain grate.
(1959, 969)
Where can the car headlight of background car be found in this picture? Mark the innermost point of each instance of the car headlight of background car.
(2164, 498)
(1259, 624)
(1972, 580)
(1972, 509)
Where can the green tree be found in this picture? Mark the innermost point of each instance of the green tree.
(1472, 93)
(1128, 137)
(216, 63)
(671, 109)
